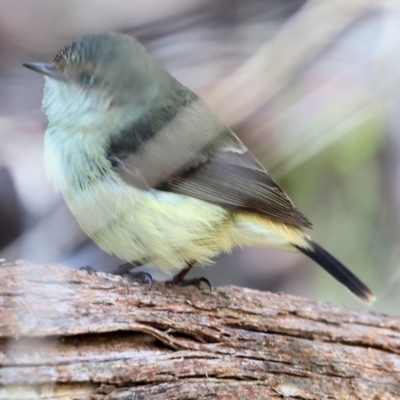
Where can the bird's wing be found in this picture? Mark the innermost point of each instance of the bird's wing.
(207, 162)
(231, 177)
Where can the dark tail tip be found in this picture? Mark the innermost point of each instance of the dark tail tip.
(338, 271)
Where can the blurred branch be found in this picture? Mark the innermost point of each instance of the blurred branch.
(301, 39)
(69, 334)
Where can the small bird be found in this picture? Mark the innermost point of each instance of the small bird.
(151, 174)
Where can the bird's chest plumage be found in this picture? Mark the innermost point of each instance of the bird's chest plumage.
(164, 228)
(82, 173)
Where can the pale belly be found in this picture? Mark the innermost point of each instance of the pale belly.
(160, 228)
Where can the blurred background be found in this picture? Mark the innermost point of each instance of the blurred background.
(311, 87)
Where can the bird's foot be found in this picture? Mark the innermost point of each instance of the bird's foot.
(88, 269)
(189, 282)
(124, 271)
(179, 278)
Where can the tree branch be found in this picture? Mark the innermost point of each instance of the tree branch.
(67, 334)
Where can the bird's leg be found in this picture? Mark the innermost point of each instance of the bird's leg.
(179, 278)
(124, 270)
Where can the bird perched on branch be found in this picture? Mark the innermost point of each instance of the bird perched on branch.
(151, 173)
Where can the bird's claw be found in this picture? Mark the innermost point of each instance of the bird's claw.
(122, 271)
(190, 282)
(136, 276)
(88, 269)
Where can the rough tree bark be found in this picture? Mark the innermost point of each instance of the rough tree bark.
(68, 334)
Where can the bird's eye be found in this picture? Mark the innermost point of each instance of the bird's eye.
(87, 79)
(115, 161)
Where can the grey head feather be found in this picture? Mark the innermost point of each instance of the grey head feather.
(118, 63)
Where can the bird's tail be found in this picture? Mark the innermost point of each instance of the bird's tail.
(337, 270)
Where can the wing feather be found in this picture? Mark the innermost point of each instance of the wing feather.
(227, 180)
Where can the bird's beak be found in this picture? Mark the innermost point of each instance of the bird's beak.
(45, 69)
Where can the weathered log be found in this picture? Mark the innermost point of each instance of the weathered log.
(67, 334)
